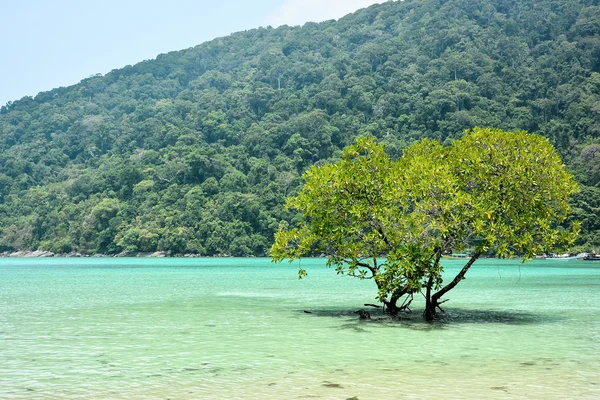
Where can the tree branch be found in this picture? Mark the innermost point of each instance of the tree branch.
(459, 277)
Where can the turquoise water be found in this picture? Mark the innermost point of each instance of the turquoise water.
(236, 329)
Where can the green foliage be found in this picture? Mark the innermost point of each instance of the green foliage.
(175, 140)
(346, 206)
(519, 189)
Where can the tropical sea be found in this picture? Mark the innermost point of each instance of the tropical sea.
(171, 328)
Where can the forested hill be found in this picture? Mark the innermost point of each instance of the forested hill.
(195, 151)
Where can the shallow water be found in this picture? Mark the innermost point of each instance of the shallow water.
(236, 329)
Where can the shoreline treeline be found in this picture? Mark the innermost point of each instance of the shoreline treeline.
(196, 151)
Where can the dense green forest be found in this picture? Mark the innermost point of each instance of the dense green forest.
(196, 151)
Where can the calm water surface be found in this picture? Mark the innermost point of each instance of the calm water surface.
(235, 329)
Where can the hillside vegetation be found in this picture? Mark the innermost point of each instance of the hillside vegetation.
(196, 151)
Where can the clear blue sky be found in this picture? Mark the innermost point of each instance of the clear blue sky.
(50, 43)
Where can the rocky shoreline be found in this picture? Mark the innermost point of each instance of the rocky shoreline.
(43, 254)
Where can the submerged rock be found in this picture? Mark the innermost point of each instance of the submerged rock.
(363, 314)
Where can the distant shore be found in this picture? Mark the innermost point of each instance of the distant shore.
(47, 254)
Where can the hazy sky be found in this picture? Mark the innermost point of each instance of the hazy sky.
(50, 43)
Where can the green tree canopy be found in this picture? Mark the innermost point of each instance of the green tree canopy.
(496, 192)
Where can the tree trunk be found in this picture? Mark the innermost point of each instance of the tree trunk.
(435, 299)
(391, 305)
(429, 312)
(430, 305)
